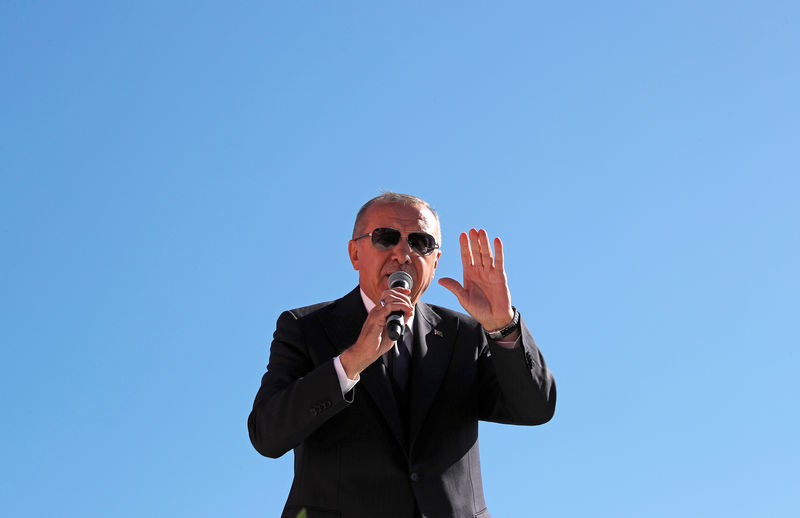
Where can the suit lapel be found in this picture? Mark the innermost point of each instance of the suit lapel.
(375, 382)
(343, 325)
(344, 322)
(433, 348)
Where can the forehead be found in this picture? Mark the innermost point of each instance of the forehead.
(401, 217)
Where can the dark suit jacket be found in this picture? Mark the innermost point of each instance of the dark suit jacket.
(354, 455)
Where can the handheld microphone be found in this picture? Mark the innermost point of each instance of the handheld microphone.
(395, 323)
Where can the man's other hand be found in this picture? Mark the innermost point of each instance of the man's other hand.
(484, 294)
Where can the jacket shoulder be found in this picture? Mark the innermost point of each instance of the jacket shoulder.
(305, 311)
(352, 299)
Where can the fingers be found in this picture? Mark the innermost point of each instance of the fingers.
(486, 249)
(396, 299)
(476, 249)
(499, 258)
(466, 253)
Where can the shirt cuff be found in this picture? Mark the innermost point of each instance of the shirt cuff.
(345, 383)
(505, 344)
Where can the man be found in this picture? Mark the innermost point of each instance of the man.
(384, 429)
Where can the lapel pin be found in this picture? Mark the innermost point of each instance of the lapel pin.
(438, 333)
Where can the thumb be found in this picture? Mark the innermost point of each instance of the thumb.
(455, 287)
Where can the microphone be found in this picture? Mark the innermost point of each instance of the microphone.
(395, 323)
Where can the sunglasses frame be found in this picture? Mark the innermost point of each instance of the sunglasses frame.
(400, 234)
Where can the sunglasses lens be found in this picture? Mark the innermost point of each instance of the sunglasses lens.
(423, 243)
(385, 238)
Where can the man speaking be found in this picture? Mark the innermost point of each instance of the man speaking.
(385, 428)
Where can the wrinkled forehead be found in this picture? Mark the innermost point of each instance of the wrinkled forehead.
(408, 218)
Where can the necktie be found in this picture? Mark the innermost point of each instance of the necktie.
(402, 361)
(399, 367)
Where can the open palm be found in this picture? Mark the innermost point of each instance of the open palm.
(484, 294)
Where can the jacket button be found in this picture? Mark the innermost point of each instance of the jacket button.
(414, 477)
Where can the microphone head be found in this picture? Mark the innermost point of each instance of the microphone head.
(401, 279)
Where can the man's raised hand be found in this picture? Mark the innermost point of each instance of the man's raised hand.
(484, 294)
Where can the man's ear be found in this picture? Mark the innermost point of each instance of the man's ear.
(436, 261)
(352, 250)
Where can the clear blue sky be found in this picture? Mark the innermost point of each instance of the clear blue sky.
(175, 174)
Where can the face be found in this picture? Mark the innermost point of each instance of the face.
(374, 266)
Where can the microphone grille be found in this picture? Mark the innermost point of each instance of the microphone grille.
(401, 279)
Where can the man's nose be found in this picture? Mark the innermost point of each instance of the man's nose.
(401, 251)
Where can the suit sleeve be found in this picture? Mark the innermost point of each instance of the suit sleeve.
(298, 393)
(516, 385)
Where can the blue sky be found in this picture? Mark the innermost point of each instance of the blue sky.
(174, 175)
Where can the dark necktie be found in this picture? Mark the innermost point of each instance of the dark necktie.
(402, 361)
(399, 367)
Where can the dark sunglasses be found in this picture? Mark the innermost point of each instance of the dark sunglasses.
(386, 238)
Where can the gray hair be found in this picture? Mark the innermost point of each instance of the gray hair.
(392, 197)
